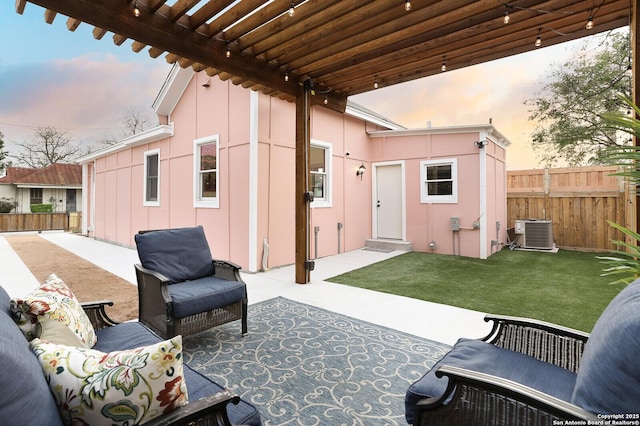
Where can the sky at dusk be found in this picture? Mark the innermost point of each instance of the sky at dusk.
(50, 76)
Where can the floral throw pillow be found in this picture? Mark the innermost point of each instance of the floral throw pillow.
(51, 312)
(127, 387)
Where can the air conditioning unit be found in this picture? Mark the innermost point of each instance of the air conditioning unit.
(535, 234)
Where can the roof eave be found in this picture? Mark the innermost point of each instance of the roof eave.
(160, 132)
(489, 129)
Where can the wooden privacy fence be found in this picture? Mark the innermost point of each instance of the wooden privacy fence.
(13, 222)
(578, 201)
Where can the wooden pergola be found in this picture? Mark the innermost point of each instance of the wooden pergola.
(320, 52)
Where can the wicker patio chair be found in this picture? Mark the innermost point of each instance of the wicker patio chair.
(528, 372)
(181, 288)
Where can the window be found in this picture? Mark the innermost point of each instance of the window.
(439, 181)
(321, 173)
(152, 178)
(206, 172)
(35, 196)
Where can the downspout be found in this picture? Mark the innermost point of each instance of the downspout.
(85, 202)
(253, 181)
(483, 195)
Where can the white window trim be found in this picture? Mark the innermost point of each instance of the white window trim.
(208, 202)
(439, 199)
(145, 202)
(328, 199)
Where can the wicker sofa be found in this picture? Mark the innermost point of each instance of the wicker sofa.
(26, 398)
(532, 372)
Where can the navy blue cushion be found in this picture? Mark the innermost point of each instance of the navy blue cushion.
(204, 294)
(198, 386)
(127, 335)
(486, 358)
(179, 254)
(609, 376)
(131, 335)
(25, 397)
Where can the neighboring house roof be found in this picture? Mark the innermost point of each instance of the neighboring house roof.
(58, 174)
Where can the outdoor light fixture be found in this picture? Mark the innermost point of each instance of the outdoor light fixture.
(443, 68)
(589, 23)
(361, 170)
(326, 100)
(292, 9)
(407, 5)
(538, 42)
(506, 18)
(228, 52)
(286, 76)
(375, 84)
(136, 10)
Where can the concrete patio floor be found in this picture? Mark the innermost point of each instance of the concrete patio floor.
(441, 323)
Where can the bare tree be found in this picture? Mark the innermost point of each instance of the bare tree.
(49, 146)
(3, 153)
(134, 122)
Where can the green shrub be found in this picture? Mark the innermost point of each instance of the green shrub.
(41, 208)
(7, 204)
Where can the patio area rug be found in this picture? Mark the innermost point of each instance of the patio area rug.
(302, 365)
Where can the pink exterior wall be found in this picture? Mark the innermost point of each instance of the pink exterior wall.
(201, 112)
(427, 223)
(351, 197)
(258, 205)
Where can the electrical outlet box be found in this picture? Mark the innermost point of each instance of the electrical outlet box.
(455, 223)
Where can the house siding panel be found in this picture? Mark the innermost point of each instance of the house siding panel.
(223, 109)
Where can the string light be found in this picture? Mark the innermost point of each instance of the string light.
(286, 76)
(506, 18)
(589, 23)
(292, 9)
(326, 100)
(538, 42)
(443, 68)
(136, 10)
(228, 52)
(375, 83)
(407, 5)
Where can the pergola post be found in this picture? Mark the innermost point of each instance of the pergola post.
(304, 265)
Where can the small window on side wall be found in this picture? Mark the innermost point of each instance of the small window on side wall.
(152, 178)
(206, 182)
(439, 181)
(320, 155)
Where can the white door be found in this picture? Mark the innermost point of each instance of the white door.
(388, 202)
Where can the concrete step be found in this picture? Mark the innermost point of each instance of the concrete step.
(381, 244)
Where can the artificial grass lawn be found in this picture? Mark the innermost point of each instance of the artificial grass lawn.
(563, 288)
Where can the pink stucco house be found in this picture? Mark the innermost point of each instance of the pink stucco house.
(224, 158)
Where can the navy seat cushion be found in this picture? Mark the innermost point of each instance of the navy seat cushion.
(483, 357)
(179, 254)
(204, 294)
(25, 397)
(131, 335)
(609, 376)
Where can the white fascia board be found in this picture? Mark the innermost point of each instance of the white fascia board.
(486, 129)
(357, 111)
(172, 90)
(160, 132)
(42, 185)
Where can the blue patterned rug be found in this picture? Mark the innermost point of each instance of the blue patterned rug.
(302, 365)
